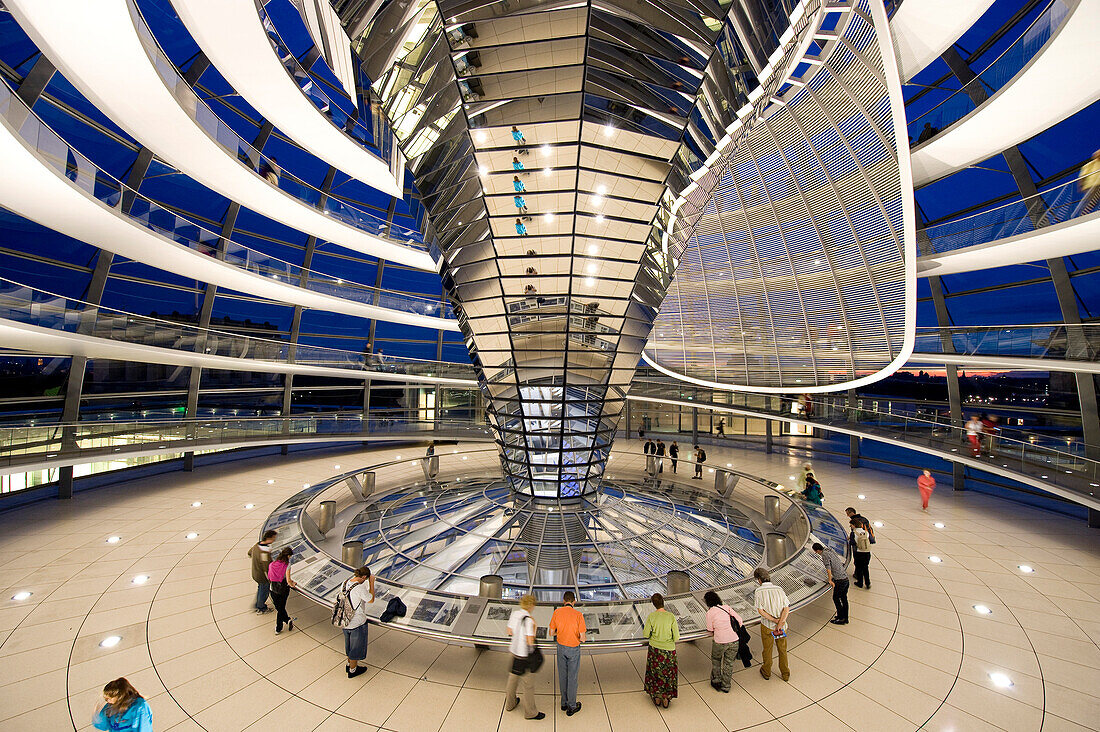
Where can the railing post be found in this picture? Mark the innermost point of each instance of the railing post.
(768, 436)
(491, 586)
(678, 583)
(351, 554)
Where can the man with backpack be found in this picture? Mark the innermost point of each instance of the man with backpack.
(730, 640)
(700, 458)
(861, 550)
(260, 554)
(350, 615)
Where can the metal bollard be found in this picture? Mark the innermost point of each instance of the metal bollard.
(678, 583)
(651, 465)
(361, 486)
(725, 482)
(491, 586)
(776, 548)
(771, 510)
(430, 466)
(352, 554)
(327, 519)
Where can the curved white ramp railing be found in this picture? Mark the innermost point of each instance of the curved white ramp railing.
(924, 29)
(234, 39)
(48, 182)
(98, 48)
(1057, 83)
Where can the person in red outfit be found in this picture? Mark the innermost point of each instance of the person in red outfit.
(926, 484)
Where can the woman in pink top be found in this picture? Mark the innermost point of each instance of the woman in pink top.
(278, 574)
(926, 484)
(723, 623)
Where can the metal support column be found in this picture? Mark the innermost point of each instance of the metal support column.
(954, 393)
(853, 440)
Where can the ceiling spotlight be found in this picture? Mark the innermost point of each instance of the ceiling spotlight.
(1025, 569)
(982, 610)
(591, 268)
(590, 281)
(938, 525)
(547, 171)
(21, 596)
(483, 169)
(597, 201)
(934, 560)
(114, 539)
(545, 149)
(481, 135)
(608, 131)
(192, 535)
(593, 250)
(548, 217)
(601, 189)
(599, 218)
(196, 504)
(140, 579)
(1000, 680)
(110, 641)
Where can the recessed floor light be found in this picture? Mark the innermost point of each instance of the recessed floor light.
(270, 481)
(463, 457)
(192, 535)
(250, 505)
(982, 610)
(861, 496)
(878, 524)
(21, 596)
(938, 525)
(196, 504)
(1000, 680)
(110, 641)
(336, 466)
(729, 465)
(140, 579)
(792, 477)
(114, 539)
(1025, 569)
(934, 559)
(398, 457)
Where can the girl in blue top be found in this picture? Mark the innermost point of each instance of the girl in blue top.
(516, 164)
(125, 710)
(518, 184)
(521, 204)
(520, 228)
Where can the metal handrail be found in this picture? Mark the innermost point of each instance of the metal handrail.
(55, 151)
(250, 157)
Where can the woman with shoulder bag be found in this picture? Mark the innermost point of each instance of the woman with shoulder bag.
(278, 575)
(522, 629)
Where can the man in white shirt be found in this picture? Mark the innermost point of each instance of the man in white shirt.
(774, 607)
(522, 629)
(361, 586)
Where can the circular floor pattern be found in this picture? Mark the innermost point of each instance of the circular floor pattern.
(917, 654)
(617, 544)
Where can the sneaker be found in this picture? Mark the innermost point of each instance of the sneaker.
(859, 585)
(716, 686)
(537, 717)
(267, 610)
(564, 708)
(574, 710)
(724, 691)
(766, 676)
(837, 621)
(358, 670)
(290, 624)
(277, 632)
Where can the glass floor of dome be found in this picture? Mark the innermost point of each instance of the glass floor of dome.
(616, 545)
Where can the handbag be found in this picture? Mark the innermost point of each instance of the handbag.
(534, 659)
(742, 634)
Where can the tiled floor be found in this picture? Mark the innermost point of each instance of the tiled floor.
(916, 654)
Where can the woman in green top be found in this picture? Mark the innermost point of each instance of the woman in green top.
(663, 631)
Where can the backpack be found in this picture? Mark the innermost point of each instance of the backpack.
(863, 540)
(343, 612)
(702, 455)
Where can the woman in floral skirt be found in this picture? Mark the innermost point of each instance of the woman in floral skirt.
(663, 631)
